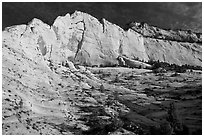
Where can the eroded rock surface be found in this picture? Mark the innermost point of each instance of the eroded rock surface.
(175, 47)
(95, 42)
(47, 88)
(173, 35)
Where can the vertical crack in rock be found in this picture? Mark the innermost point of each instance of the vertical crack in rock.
(55, 29)
(164, 58)
(87, 53)
(50, 52)
(24, 31)
(79, 46)
(42, 45)
(120, 49)
(102, 21)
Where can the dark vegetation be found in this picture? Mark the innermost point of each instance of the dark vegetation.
(158, 66)
(172, 67)
(177, 118)
(172, 126)
(169, 67)
(99, 126)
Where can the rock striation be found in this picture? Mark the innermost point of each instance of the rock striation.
(172, 35)
(95, 42)
(85, 40)
(178, 47)
(44, 81)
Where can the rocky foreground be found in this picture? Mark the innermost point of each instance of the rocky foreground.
(50, 84)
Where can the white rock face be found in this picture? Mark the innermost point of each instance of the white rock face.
(84, 40)
(124, 61)
(175, 47)
(40, 80)
(173, 52)
(96, 43)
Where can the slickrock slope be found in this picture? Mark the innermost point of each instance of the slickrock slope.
(85, 40)
(97, 43)
(100, 43)
(172, 35)
(175, 47)
(43, 92)
(45, 87)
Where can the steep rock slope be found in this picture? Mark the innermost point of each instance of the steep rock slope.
(84, 40)
(178, 47)
(173, 35)
(97, 43)
(43, 91)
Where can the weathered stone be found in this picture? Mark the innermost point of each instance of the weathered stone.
(84, 40)
(172, 35)
(173, 52)
(133, 63)
(42, 87)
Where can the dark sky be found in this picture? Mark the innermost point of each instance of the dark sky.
(164, 15)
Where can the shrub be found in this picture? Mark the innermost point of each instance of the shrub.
(175, 122)
(171, 67)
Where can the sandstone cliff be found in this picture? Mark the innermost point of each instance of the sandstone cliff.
(85, 40)
(43, 88)
(95, 42)
(178, 47)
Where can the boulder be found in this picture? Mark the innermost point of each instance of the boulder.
(125, 61)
